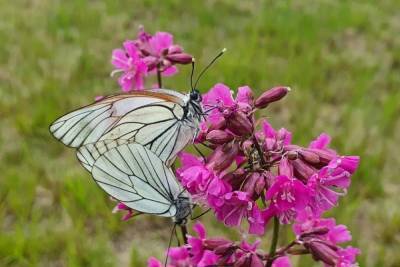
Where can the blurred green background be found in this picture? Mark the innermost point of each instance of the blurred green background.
(342, 59)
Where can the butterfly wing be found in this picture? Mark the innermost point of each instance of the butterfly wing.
(154, 119)
(88, 124)
(134, 175)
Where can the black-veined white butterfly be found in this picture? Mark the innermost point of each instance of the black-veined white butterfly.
(162, 120)
(136, 176)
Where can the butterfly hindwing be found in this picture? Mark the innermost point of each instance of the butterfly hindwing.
(134, 175)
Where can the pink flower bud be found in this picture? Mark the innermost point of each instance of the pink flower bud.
(219, 137)
(244, 261)
(238, 123)
(323, 250)
(223, 156)
(247, 146)
(271, 95)
(285, 168)
(224, 249)
(315, 231)
(219, 125)
(254, 185)
(292, 155)
(302, 170)
(174, 49)
(235, 178)
(309, 156)
(324, 155)
(180, 58)
(256, 261)
(217, 242)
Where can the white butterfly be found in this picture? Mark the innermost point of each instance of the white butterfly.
(164, 121)
(134, 175)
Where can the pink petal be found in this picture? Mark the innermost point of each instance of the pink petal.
(171, 70)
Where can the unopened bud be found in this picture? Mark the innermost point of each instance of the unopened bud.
(238, 123)
(271, 95)
(174, 49)
(256, 261)
(180, 58)
(285, 168)
(324, 251)
(324, 155)
(309, 156)
(243, 261)
(247, 146)
(223, 156)
(219, 125)
(250, 184)
(216, 242)
(219, 137)
(302, 170)
(235, 178)
(315, 231)
(292, 155)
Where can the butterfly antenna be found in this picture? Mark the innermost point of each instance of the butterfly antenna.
(191, 74)
(169, 244)
(209, 65)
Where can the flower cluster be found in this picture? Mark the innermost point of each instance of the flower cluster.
(202, 252)
(147, 55)
(252, 173)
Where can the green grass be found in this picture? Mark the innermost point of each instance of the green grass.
(341, 58)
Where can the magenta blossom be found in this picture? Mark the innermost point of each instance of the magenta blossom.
(288, 196)
(133, 68)
(160, 53)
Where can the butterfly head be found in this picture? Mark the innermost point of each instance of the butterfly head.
(195, 96)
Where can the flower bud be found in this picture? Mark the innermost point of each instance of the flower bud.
(180, 58)
(174, 49)
(243, 261)
(323, 250)
(217, 242)
(223, 156)
(235, 178)
(285, 168)
(316, 231)
(302, 170)
(271, 95)
(254, 184)
(309, 156)
(238, 123)
(325, 156)
(219, 125)
(219, 137)
(292, 155)
(256, 261)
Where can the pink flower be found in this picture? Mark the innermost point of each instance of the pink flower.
(331, 182)
(133, 68)
(209, 259)
(247, 255)
(234, 207)
(122, 207)
(347, 257)
(282, 262)
(153, 262)
(196, 243)
(159, 52)
(179, 257)
(287, 196)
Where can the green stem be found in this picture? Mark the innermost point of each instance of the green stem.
(159, 80)
(274, 243)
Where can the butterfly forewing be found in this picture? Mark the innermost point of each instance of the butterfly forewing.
(153, 119)
(134, 175)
